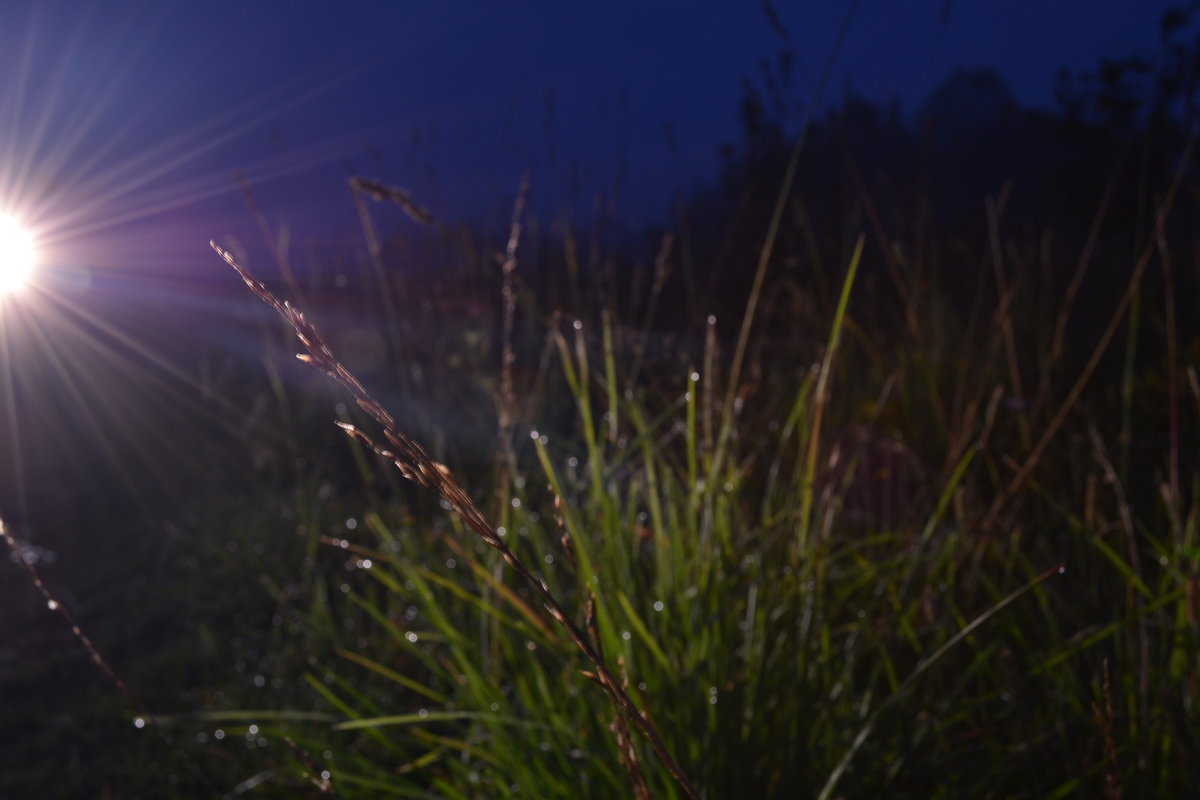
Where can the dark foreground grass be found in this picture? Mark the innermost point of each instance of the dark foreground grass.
(793, 615)
(935, 556)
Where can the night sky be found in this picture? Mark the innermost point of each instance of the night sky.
(122, 123)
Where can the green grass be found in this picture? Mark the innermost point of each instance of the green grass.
(844, 568)
(999, 637)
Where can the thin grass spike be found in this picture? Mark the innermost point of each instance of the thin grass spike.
(419, 467)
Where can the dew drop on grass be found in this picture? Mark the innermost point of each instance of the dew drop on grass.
(423, 713)
(52, 605)
(451, 563)
(218, 734)
(625, 635)
(530, 646)
(658, 605)
(412, 637)
(139, 723)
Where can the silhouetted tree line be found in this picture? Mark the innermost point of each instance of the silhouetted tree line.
(920, 184)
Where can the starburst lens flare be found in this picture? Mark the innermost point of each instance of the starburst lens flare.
(17, 255)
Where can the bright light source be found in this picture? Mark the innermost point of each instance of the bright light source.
(17, 255)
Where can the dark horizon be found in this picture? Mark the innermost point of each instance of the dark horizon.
(453, 103)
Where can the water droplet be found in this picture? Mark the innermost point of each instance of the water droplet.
(139, 723)
(625, 635)
(658, 605)
(52, 605)
(412, 637)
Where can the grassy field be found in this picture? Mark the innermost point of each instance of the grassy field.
(882, 540)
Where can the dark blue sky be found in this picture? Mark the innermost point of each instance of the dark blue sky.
(122, 122)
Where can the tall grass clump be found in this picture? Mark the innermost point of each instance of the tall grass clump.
(895, 539)
(804, 604)
(901, 559)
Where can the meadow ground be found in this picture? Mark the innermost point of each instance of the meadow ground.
(859, 536)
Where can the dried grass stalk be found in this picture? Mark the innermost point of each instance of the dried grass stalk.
(419, 467)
